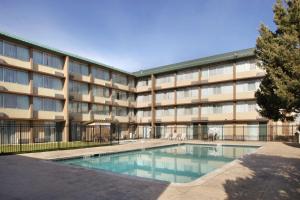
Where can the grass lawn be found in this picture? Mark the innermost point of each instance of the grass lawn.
(32, 147)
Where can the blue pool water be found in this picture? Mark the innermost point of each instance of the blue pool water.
(177, 164)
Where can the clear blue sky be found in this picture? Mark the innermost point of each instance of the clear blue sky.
(138, 34)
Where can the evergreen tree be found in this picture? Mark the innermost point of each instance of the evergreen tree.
(278, 53)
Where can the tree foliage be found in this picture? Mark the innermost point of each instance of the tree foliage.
(278, 53)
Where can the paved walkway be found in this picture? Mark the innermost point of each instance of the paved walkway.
(271, 173)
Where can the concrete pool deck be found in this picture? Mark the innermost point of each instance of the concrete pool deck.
(273, 172)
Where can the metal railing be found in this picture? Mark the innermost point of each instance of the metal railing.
(31, 138)
(18, 138)
(228, 132)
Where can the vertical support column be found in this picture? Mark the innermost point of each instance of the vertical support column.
(234, 100)
(110, 96)
(66, 106)
(153, 105)
(175, 102)
(30, 76)
(199, 95)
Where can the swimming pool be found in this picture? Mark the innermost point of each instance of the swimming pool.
(178, 164)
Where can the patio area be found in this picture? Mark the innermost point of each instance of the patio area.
(273, 172)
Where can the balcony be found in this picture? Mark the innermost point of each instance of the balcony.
(217, 117)
(247, 115)
(79, 77)
(48, 70)
(120, 119)
(245, 95)
(165, 85)
(187, 82)
(120, 86)
(48, 92)
(123, 103)
(100, 117)
(187, 100)
(218, 97)
(15, 87)
(101, 100)
(143, 104)
(15, 113)
(165, 102)
(146, 88)
(165, 119)
(80, 116)
(187, 118)
(48, 115)
(80, 97)
(15, 62)
(143, 120)
(217, 78)
(249, 74)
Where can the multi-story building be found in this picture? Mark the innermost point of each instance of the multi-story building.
(41, 85)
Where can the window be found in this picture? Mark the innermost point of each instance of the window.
(216, 70)
(187, 93)
(119, 78)
(187, 75)
(141, 98)
(246, 107)
(166, 95)
(13, 76)
(144, 82)
(119, 111)
(248, 86)
(100, 73)
(119, 95)
(187, 111)
(78, 68)
(47, 59)
(47, 82)
(164, 79)
(100, 109)
(216, 90)
(217, 109)
(78, 107)
(78, 87)
(246, 66)
(15, 51)
(46, 104)
(165, 112)
(14, 101)
(144, 113)
(100, 91)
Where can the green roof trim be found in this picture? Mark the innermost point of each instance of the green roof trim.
(47, 48)
(198, 62)
(156, 70)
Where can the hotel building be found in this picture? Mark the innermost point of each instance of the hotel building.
(40, 85)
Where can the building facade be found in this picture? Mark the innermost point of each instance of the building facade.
(40, 85)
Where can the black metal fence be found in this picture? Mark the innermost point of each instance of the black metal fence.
(18, 138)
(29, 138)
(228, 132)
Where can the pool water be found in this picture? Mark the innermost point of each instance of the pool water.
(177, 164)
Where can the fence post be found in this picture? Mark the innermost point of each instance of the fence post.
(118, 131)
(243, 132)
(20, 136)
(100, 133)
(110, 138)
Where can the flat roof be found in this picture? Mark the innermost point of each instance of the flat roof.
(156, 70)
